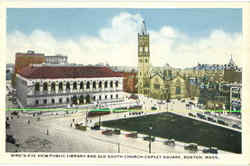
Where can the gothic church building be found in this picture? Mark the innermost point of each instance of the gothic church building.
(156, 83)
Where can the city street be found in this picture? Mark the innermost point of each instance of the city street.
(53, 131)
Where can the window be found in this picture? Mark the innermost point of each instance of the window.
(45, 86)
(68, 86)
(94, 98)
(146, 61)
(117, 96)
(60, 86)
(88, 85)
(81, 85)
(111, 84)
(94, 84)
(45, 101)
(100, 84)
(111, 96)
(100, 97)
(53, 101)
(37, 102)
(75, 85)
(106, 96)
(116, 83)
(106, 84)
(60, 100)
(67, 100)
(178, 90)
(53, 87)
(141, 49)
(156, 86)
(37, 87)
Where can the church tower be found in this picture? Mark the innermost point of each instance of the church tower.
(143, 61)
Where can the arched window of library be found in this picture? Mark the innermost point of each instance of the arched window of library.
(37, 87)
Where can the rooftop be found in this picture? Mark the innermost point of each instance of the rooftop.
(57, 72)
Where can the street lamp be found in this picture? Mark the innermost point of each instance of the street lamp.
(150, 140)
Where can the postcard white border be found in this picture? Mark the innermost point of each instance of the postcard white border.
(243, 158)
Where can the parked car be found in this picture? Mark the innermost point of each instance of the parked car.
(133, 96)
(147, 138)
(10, 139)
(213, 150)
(117, 131)
(222, 122)
(211, 119)
(191, 114)
(132, 135)
(95, 127)
(236, 126)
(201, 116)
(153, 108)
(207, 112)
(191, 147)
(14, 113)
(107, 132)
(170, 142)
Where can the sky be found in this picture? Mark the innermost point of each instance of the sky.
(179, 37)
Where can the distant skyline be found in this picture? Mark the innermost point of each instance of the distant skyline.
(180, 37)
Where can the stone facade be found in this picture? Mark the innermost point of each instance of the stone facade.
(63, 91)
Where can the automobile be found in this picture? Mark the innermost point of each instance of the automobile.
(211, 119)
(236, 126)
(7, 125)
(190, 103)
(191, 114)
(213, 150)
(222, 122)
(10, 139)
(15, 113)
(117, 131)
(207, 113)
(95, 127)
(201, 116)
(133, 96)
(132, 135)
(191, 147)
(153, 108)
(107, 132)
(147, 138)
(170, 142)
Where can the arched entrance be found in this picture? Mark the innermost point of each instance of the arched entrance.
(74, 100)
(81, 100)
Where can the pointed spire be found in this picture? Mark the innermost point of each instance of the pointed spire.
(231, 62)
(143, 28)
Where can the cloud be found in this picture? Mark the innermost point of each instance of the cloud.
(116, 44)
